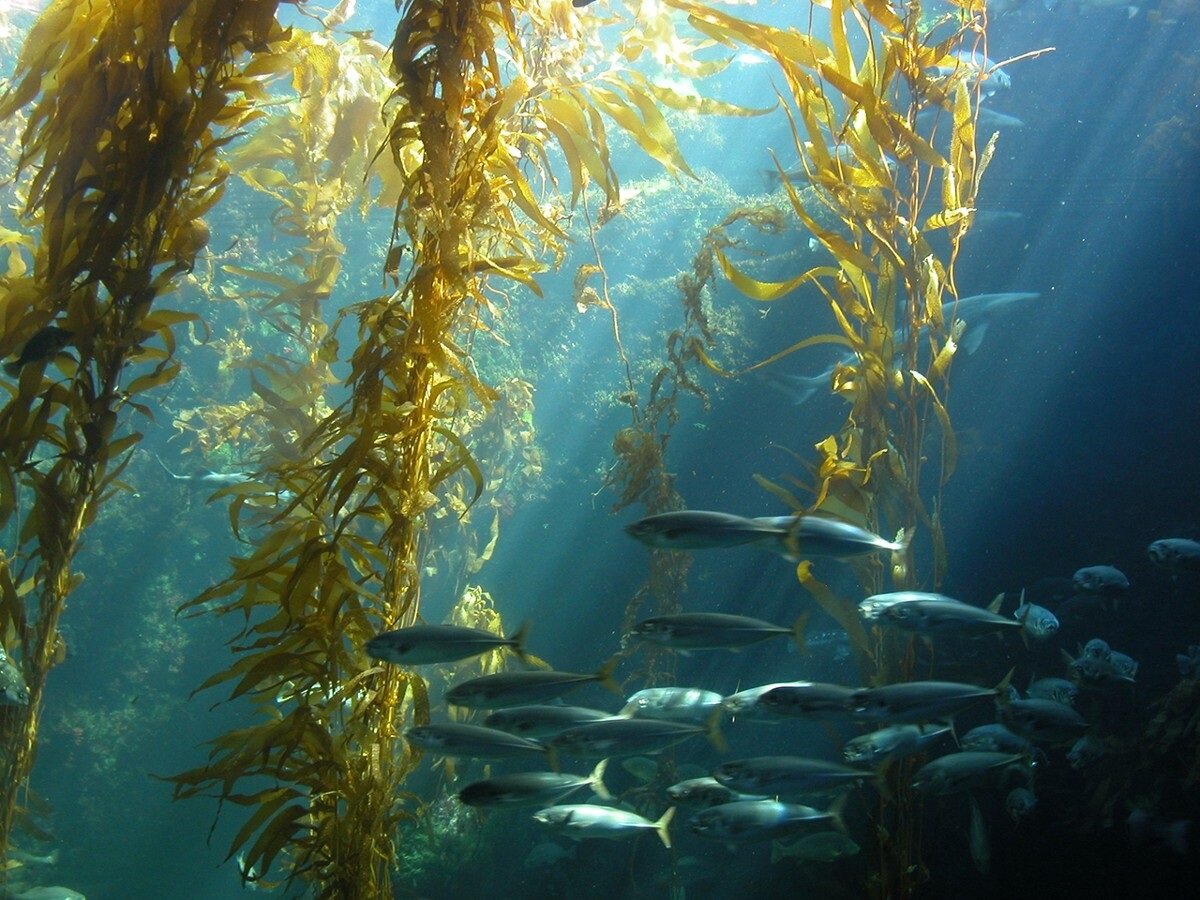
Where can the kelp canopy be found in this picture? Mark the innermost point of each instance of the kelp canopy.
(469, 119)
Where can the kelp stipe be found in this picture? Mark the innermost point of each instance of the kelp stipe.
(120, 150)
(886, 190)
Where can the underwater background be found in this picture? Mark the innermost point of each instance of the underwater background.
(1077, 420)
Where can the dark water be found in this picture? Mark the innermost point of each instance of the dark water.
(1078, 420)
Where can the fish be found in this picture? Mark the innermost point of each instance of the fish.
(626, 736)
(13, 690)
(33, 859)
(1098, 665)
(42, 347)
(1042, 720)
(807, 699)
(475, 741)
(981, 848)
(674, 703)
(995, 738)
(523, 688)
(990, 76)
(580, 821)
(1019, 803)
(874, 607)
(992, 118)
(745, 704)
(893, 742)
(919, 701)
(209, 478)
(1058, 689)
(944, 616)
(779, 775)
(1189, 663)
(1175, 554)
(532, 788)
(714, 631)
(958, 771)
(643, 768)
(419, 645)
(705, 792)
(1039, 623)
(541, 720)
(547, 854)
(1100, 580)
(795, 537)
(52, 892)
(1085, 751)
(751, 820)
(1146, 827)
(824, 846)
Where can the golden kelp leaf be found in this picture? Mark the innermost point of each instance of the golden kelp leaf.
(799, 345)
(767, 291)
(948, 217)
(843, 611)
(950, 443)
(703, 106)
(649, 130)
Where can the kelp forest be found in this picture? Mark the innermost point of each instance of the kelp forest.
(299, 291)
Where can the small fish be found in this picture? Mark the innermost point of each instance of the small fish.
(1098, 666)
(419, 645)
(704, 792)
(752, 820)
(807, 699)
(1146, 827)
(583, 820)
(624, 736)
(816, 535)
(1176, 555)
(876, 606)
(746, 704)
(893, 742)
(714, 631)
(210, 479)
(1057, 689)
(779, 775)
(13, 690)
(532, 788)
(674, 703)
(995, 738)
(474, 741)
(824, 846)
(1085, 751)
(1039, 623)
(42, 347)
(1100, 580)
(1042, 720)
(54, 892)
(958, 771)
(918, 701)
(945, 616)
(542, 720)
(523, 688)
(1019, 803)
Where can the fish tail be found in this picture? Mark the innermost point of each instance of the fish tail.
(835, 812)
(604, 675)
(780, 850)
(712, 730)
(596, 779)
(516, 643)
(798, 629)
(661, 827)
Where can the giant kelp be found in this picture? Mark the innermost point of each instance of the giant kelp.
(472, 122)
(852, 104)
(120, 152)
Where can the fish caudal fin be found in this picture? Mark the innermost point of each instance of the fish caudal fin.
(661, 827)
(596, 780)
(516, 643)
(604, 675)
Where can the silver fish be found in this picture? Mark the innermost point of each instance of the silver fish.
(807, 699)
(13, 691)
(624, 736)
(542, 720)
(917, 701)
(714, 631)
(946, 616)
(893, 742)
(958, 771)
(584, 820)
(1043, 720)
(779, 775)
(1085, 751)
(675, 703)
(1059, 690)
(1176, 554)
(474, 741)
(746, 704)
(1039, 623)
(751, 820)
(816, 535)
(704, 792)
(995, 738)
(876, 606)
(698, 529)
(532, 788)
(523, 688)
(1100, 580)
(419, 645)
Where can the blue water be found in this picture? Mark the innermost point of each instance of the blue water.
(1078, 421)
